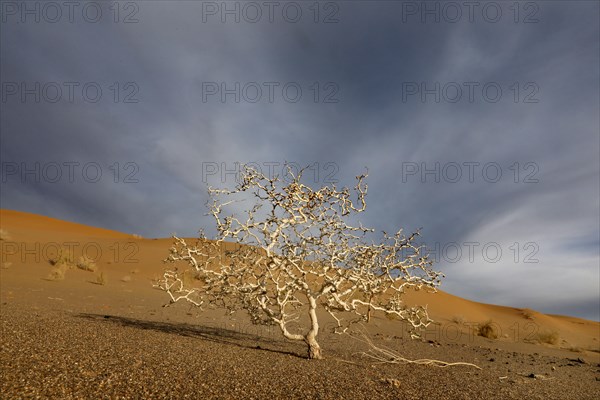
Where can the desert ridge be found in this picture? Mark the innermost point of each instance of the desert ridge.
(31, 225)
(128, 263)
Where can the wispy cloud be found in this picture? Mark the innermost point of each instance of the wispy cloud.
(371, 61)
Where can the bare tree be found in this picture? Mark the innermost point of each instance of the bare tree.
(294, 251)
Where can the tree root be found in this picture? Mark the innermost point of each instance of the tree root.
(385, 355)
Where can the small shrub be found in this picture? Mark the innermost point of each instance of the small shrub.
(62, 263)
(63, 257)
(58, 272)
(458, 319)
(100, 279)
(86, 264)
(547, 337)
(4, 235)
(527, 313)
(487, 330)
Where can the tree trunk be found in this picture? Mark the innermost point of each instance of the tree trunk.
(369, 311)
(314, 350)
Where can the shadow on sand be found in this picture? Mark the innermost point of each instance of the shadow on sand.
(213, 334)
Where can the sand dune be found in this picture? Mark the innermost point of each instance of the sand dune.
(129, 263)
(123, 253)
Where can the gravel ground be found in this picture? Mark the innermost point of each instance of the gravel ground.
(50, 351)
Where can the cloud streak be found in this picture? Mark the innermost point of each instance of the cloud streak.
(371, 60)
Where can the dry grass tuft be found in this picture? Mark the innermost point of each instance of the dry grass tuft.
(58, 272)
(458, 319)
(63, 257)
(62, 262)
(552, 338)
(100, 279)
(86, 264)
(548, 337)
(487, 330)
(4, 235)
(528, 313)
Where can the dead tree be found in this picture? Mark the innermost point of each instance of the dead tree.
(295, 251)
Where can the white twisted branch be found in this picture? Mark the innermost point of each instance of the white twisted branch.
(294, 251)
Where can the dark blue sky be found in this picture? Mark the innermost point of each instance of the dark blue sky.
(483, 129)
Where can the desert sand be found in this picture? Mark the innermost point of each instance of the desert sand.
(106, 334)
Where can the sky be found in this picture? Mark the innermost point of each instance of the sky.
(477, 121)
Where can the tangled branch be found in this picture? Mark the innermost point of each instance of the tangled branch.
(294, 251)
(387, 356)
